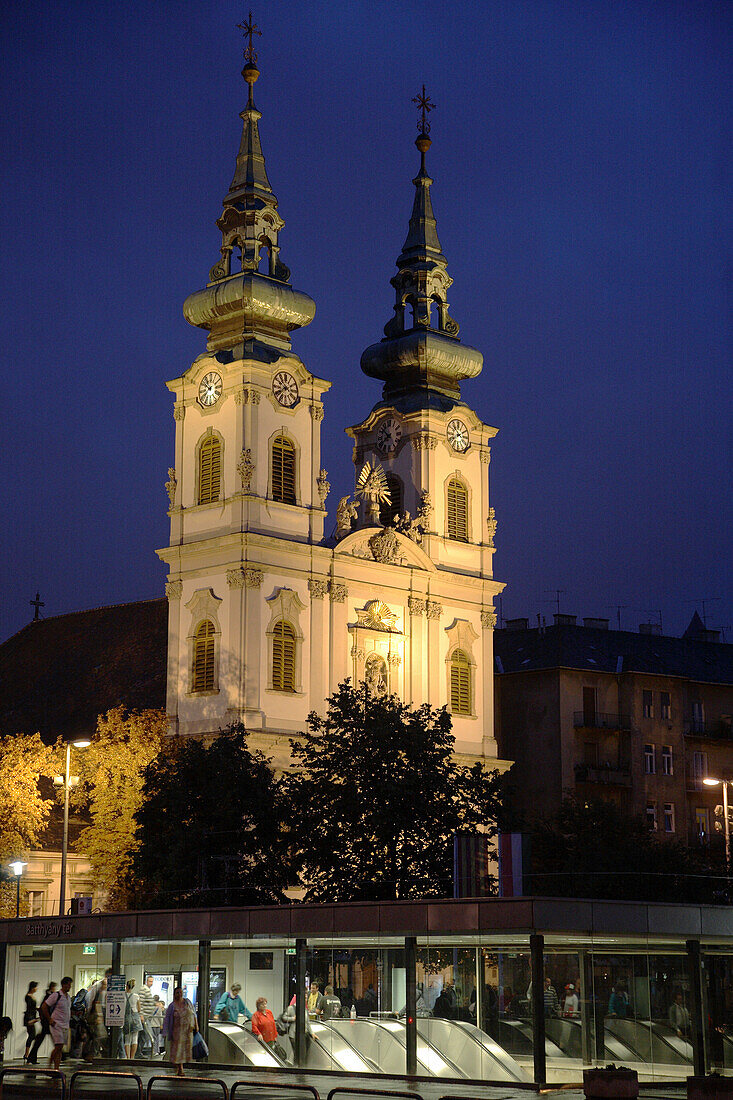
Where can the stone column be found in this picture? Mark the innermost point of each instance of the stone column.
(339, 658)
(436, 657)
(486, 672)
(234, 647)
(319, 642)
(174, 591)
(254, 676)
(416, 678)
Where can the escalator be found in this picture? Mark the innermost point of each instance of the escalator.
(515, 1037)
(330, 1050)
(471, 1050)
(567, 1033)
(231, 1044)
(382, 1042)
(651, 1043)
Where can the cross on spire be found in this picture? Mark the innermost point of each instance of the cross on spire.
(37, 604)
(248, 28)
(424, 104)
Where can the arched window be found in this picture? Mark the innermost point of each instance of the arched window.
(460, 682)
(387, 512)
(282, 469)
(209, 470)
(283, 657)
(457, 504)
(203, 678)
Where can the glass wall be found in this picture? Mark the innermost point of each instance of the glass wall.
(718, 1015)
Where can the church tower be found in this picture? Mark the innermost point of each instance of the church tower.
(267, 615)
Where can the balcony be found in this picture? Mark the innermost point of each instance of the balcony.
(603, 773)
(588, 721)
(717, 730)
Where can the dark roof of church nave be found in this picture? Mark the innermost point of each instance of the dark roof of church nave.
(691, 657)
(58, 674)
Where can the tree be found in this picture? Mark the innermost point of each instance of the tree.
(210, 829)
(592, 849)
(376, 797)
(24, 812)
(111, 791)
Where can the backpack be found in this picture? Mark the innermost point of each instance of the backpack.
(79, 1000)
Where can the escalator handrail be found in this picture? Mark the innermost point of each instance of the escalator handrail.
(282, 1085)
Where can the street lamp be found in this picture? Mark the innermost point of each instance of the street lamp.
(711, 782)
(66, 782)
(17, 868)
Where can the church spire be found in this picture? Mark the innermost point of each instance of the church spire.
(421, 351)
(248, 293)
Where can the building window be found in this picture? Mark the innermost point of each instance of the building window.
(282, 470)
(589, 706)
(651, 815)
(667, 763)
(35, 903)
(702, 825)
(650, 759)
(665, 705)
(699, 767)
(460, 682)
(204, 657)
(698, 718)
(669, 817)
(283, 657)
(648, 703)
(389, 510)
(209, 469)
(457, 510)
(590, 754)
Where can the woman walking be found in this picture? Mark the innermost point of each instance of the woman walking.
(33, 1055)
(179, 1028)
(30, 1016)
(133, 1024)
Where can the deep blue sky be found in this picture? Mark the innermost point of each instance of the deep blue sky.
(581, 161)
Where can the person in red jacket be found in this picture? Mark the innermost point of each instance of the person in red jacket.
(263, 1023)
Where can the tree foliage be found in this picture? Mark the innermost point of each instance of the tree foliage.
(376, 796)
(592, 849)
(210, 828)
(111, 792)
(24, 811)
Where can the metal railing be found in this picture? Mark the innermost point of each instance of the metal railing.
(345, 1090)
(187, 1081)
(106, 1074)
(597, 721)
(34, 1071)
(717, 731)
(600, 773)
(271, 1085)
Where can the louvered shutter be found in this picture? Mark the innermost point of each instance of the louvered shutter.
(283, 657)
(460, 683)
(457, 510)
(203, 657)
(283, 470)
(209, 470)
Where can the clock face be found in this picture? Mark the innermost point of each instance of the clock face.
(285, 389)
(457, 434)
(389, 434)
(210, 389)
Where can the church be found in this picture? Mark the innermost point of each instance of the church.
(267, 613)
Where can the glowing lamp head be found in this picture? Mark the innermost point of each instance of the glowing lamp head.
(17, 866)
(82, 743)
(710, 782)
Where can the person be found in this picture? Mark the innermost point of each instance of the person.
(618, 1002)
(179, 1027)
(570, 1004)
(315, 1000)
(57, 1010)
(421, 1008)
(133, 1024)
(94, 988)
(443, 1008)
(30, 1017)
(95, 1016)
(146, 1012)
(33, 1056)
(679, 1015)
(230, 1006)
(156, 1023)
(6, 1026)
(550, 998)
(263, 1022)
(331, 1004)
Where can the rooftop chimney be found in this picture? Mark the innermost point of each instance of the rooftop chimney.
(650, 628)
(565, 620)
(516, 624)
(596, 624)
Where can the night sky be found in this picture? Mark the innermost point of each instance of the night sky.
(581, 159)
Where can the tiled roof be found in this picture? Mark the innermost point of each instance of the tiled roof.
(58, 674)
(587, 648)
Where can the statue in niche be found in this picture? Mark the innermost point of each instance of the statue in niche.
(416, 528)
(171, 485)
(491, 525)
(375, 675)
(324, 487)
(346, 513)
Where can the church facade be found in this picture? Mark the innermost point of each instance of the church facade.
(267, 615)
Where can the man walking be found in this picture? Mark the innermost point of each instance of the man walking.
(147, 1009)
(57, 1011)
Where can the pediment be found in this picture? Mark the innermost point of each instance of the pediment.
(386, 546)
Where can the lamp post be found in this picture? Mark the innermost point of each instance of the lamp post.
(17, 868)
(65, 780)
(711, 782)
